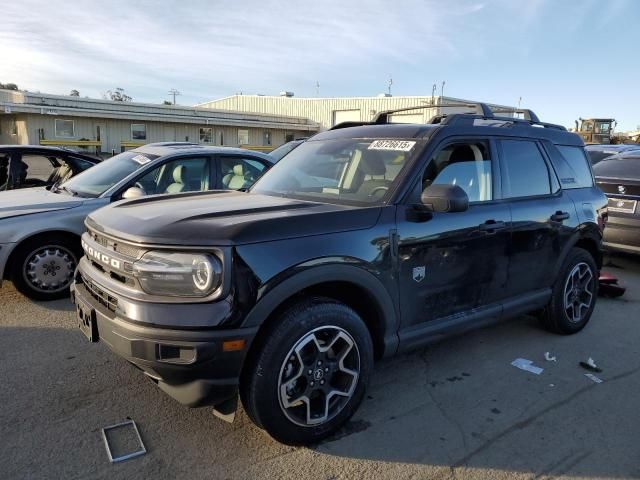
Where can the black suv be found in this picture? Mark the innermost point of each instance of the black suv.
(365, 241)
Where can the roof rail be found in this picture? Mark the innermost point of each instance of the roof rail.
(459, 118)
(480, 108)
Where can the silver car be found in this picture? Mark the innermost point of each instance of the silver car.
(40, 228)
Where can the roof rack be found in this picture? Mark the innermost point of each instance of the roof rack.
(480, 108)
(482, 111)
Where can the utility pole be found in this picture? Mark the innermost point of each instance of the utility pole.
(317, 88)
(433, 93)
(442, 89)
(390, 83)
(174, 92)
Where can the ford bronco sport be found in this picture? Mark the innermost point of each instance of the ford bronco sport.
(367, 240)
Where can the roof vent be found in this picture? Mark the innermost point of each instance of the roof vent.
(286, 94)
(384, 95)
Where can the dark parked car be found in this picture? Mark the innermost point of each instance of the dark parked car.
(599, 152)
(40, 228)
(619, 178)
(24, 166)
(364, 241)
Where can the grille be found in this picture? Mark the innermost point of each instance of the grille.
(116, 246)
(100, 295)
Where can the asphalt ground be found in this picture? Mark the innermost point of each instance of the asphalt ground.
(456, 409)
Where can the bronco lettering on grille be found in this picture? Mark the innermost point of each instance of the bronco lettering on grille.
(99, 256)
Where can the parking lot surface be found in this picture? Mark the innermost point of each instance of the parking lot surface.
(456, 409)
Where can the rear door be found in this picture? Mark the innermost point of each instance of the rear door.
(543, 216)
(239, 171)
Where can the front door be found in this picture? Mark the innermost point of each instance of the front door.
(455, 262)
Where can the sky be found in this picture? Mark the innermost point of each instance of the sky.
(565, 58)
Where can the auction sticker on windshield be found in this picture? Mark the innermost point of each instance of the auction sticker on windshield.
(396, 145)
(141, 159)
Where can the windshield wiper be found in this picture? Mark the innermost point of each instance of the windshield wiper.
(68, 190)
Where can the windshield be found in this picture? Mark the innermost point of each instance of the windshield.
(97, 180)
(350, 171)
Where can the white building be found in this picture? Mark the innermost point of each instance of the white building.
(106, 126)
(330, 111)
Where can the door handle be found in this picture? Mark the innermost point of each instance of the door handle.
(491, 226)
(560, 216)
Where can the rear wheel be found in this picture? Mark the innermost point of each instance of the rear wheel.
(574, 294)
(310, 373)
(42, 268)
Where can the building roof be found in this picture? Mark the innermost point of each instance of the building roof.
(12, 101)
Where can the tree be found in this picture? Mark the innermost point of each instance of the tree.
(117, 95)
(74, 93)
(9, 86)
(167, 102)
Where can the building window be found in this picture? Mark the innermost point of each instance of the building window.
(243, 137)
(266, 138)
(206, 135)
(138, 131)
(64, 128)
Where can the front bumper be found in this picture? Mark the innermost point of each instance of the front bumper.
(622, 233)
(190, 365)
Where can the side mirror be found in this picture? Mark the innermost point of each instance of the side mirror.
(133, 192)
(445, 198)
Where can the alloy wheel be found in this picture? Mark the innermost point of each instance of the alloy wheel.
(578, 292)
(49, 269)
(319, 376)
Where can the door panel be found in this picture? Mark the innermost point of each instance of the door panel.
(539, 236)
(453, 262)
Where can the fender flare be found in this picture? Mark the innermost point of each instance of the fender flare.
(584, 232)
(327, 273)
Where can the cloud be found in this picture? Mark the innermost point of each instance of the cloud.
(209, 48)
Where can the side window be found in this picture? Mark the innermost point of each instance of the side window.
(466, 164)
(525, 171)
(238, 172)
(37, 169)
(577, 160)
(180, 175)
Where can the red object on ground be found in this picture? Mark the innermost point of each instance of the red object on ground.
(609, 285)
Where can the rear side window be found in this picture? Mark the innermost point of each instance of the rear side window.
(577, 160)
(525, 171)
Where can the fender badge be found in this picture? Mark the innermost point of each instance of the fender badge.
(419, 273)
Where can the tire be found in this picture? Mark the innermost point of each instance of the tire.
(571, 315)
(42, 268)
(296, 344)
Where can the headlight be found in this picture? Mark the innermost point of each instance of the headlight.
(178, 274)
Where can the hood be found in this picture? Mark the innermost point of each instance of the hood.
(225, 218)
(25, 201)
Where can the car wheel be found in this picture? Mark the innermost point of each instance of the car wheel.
(43, 268)
(310, 372)
(574, 294)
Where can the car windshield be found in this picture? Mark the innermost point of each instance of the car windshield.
(282, 150)
(348, 171)
(97, 180)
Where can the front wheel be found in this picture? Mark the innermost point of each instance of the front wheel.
(42, 268)
(574, 294)
(310, 373)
